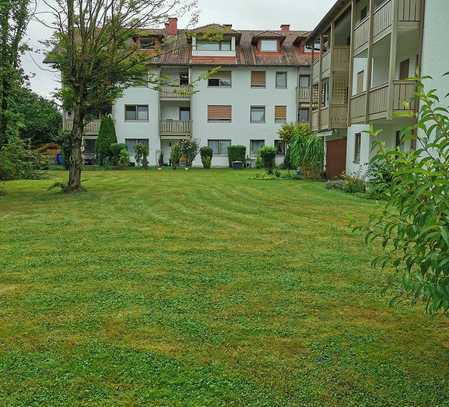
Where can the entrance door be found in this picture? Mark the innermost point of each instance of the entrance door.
(335, 157)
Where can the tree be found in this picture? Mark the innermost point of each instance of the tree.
(206, 156)
(106, 138)
(268, 156)
(42, 120)
(14, 18)
(95, 52)
(141, 155)
(413, 226)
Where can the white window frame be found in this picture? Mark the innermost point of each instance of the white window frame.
(137, 113)
(269, 48)
(285, 74)
(223, 145)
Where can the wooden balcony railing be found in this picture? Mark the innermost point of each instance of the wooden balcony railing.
(326, 64)
(175, 128)
(383, 19)
(404, 96)
(176, 92)
(360, 35)
(358, 108)
(316, 71)
(303, 95)
(90, 129)
(378, 101)
(315, 120)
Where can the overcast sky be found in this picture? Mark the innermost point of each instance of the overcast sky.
(242, 14)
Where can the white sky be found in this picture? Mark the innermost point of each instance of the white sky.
(242, 14)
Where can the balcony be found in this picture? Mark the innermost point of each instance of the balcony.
(176, 93)
(175, 129)
(408, 17)
(303, 95)
(403, 101)
(90, 129)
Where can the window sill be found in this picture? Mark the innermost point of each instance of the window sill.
(137, 121)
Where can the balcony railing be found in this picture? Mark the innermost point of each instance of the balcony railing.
(90, 129)
(316, 71)
(303, 95)
(315, 120)
(408, 11)
(403, 101)
(175, 128)
(326, 64)
(176, 92)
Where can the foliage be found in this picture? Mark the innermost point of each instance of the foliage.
(291, 130)
(306, 152)
(116, 149)
(14, 18)
(41, 118)
(123, 160)
(236, 153)
(268, 157)
(349, 184)
(413, 226)
(106, 138)
(189, 150)
(19, 161)
(64, 141)
(175, 155)
(161, 159)
(206, 156)
(380, 177)
(141, 155)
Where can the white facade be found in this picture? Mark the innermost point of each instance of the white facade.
(241, 96)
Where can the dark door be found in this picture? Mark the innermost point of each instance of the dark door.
(404, 70)
(335, 157)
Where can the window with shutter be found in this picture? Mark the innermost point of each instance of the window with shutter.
(258, 79)
(280, 114)
(219, 113)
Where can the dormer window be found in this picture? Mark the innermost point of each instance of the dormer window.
(224, 45)
(269, 45)
(147, 43)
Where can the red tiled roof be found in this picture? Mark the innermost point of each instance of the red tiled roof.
(177, 50)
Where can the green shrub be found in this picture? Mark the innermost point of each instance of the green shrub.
(380, 176)
(161, 159)
(307, 154)
(123, 161)
(175, 155)
(19, 161)
(141, 155)
(116, 148)
(349, 184)
(106, 138)
(206, 156)
(189, 150)
(268, 156)
(236, 153)
(413, 227)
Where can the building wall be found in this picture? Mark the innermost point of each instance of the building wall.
(241, 96)
(139, 130)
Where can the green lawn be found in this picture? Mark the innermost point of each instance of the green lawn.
(203, 288)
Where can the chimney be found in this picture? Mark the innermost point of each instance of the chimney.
(171, 27)
(285, 28)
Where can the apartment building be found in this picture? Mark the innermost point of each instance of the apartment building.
(369, 50)
(262, 80)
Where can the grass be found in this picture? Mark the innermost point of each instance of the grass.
(203, 288)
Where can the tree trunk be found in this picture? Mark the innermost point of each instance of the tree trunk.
(76, 158)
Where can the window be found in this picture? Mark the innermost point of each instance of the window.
(325, 93)
(131, 144)
(147, 43)
(257, 114)
(184, 114)
(308, 48)
(360, 80)
(280, 114)
(269, 45)
(281, 80)
(224, 45)
(258, 79)
(280, 147)
(357, 147)
(219, 147)
(220, 80)
(90, 146)
(184, 78)
(255, 146)
(303, 115)
(304, 81)
(404, 70)
(219, 113)
(136, 113)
